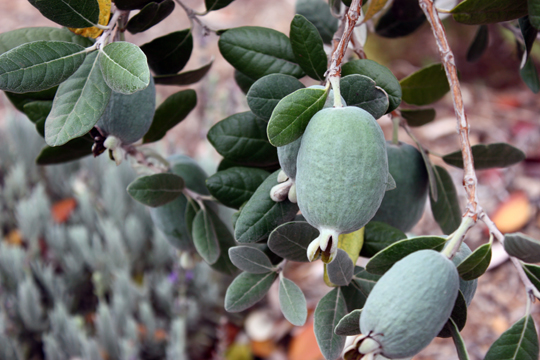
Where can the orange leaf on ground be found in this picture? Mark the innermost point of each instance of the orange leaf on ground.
(263, 349)
(14, 237)
(304, 344)
(61, 210)
(513, 214)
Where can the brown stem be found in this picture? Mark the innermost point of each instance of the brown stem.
(141, 159)
(194, 18)
(469, 176)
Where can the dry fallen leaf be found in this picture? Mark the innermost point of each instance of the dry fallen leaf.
(61, 210)
(513, 214)
(304, 344)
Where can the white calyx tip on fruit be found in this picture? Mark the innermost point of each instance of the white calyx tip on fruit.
(112, 142)
(282, 177)
(280, 191)
(292, 194)
(325, 245)
(369, 346)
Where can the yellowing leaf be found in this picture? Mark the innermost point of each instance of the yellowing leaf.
(104, 15)
(374, 7)
(513, 214)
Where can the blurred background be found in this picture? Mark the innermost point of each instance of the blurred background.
(499, 106)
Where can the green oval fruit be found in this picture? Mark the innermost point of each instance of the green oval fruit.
(410, 304)
(403, 207)
(468, 288)
(170, 218)
(341, 177)
(128, 117)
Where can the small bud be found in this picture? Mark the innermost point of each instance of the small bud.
(279, 192)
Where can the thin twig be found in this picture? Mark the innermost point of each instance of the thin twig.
(469, 176)
(103, 38)
(194, 18)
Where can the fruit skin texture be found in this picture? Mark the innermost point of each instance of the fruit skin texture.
(342, 171)
(403, 207)
(410, 304)
(468, 288)
(170, 218)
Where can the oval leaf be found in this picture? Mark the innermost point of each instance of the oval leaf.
(124, 67)
(291, 240)
(529, 75)
(150, 15)
(418, 117)
(382, 76)
(383, 261)
(212, 5)
(39, 65)
(264, 95)
(156, 190)
(425, 86)
(477, 12)
(397, 22)
(329, 311)
(520, 342)
(361, 91)
(318, 13)
(523, 247)
(533, 273)
(69, 13)
(257, 51)
(308, 47)
(247, 289)
(19, 100)
(171, 112)
(374, 7)
(11, 39)
(170, 53)
(349, 325)
(458, 316)
(361, 285)
(488, 156)
(185, 78)
(292, 114)
(340, 271)
(445, 209)
(243, 81)
(379, 236)
(261, 214)
(250, 259)
(225, 239)
(234, 186)
(476, 263)
(204, 237)
(292, 301)
(242, 138)
(479, 44)
(79, 103)
(534, 13)
(72, 150)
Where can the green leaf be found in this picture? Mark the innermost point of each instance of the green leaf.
(329, 311)
(72, 150)
(418, 117)
(357, 292)
(383, 261)
(250, 259)
(477, 12)
(257, 51)
(458, 317)
(534, 13)
(308, 47)
(19, 100)
(171, 112)
(529, 36)
(261, 214)
(212, 5)
(264, 95)
(533, 273)
(69, 13)
(11, 39)
(37, 112)
(458, 340)
(378, 236)
(292, 114)
(243, 81)
(226, 241)
(247, 289)
(205, 237)
(156, 190)
(523, 247)
(488, 156)
(192, 208)
(340, 271)
(131, 4)
(520, 342)
(79, 103)
(236, 185)
(150, 15)
(403, 18)
(170, 53)
(529, 75)
(291, 240)
(425, 86)
(318, 13)
(292, 301)
(476, 263)
(349, 324)
(361, 91)
(242, 138)
(382, 76)
(445, 209)
(185, 78)
(124, 67)
(39, 65)
(479, 44)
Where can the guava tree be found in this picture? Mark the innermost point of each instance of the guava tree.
(307, 167)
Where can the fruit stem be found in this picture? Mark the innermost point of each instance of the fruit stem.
(457, 237)
(395, 128)
(337, 92)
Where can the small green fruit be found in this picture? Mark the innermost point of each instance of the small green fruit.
(410, 304)
(341, 177)
(403, 207)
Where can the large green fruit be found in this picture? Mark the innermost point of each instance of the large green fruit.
(170, 218)
(403, 207)
(342, 174)
(409, 305)
(468, 288)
